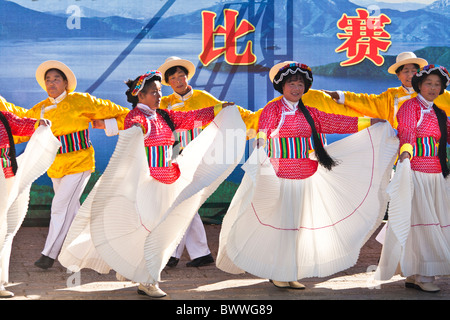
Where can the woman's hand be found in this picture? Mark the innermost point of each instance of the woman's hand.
(333, 94)
(404, 155)
(45, 122)
(98, 124)
(226, 104)
(376, 120)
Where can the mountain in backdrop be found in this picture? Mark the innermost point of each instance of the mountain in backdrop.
(434, 55)
(312, 19)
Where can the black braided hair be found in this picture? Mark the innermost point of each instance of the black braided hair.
(12, 147)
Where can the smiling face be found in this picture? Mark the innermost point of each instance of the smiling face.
(406, 74)
(179, 82)
(294, 88)
(151, 97)
(431, 87)
(55, 83)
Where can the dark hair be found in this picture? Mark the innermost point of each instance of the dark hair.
(322, 155)
(397, 71)
(295, 73)
(171, 71)
(62, 74)
(442, 150)
(134, 100)
(12, 147)
(418, 80)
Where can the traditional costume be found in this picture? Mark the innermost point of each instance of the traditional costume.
(292, 218)
(142, 205)
(386, 105)
(18, 111)
(70, 114)
(17, 177)
(418, 231)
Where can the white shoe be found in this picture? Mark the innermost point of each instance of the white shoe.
(151, 290)
(427, 287)
(5, 293)
(291, 284)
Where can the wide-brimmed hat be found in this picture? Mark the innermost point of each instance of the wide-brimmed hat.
(175, 61)
(431, 69)
(53, 64)
(406, 58)
(282, 69)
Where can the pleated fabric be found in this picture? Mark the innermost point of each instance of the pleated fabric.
(285, 230)
(132, 223)
(427, 249)
(395, 233)
(36, 159)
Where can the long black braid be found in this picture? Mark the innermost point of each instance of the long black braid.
(442, 151)
(322, 155)
(12, 147)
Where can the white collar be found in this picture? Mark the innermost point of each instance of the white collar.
(409, 90)
(425, 102)
(59, 98)
(186, 96)
(146, 109)
(292, 106)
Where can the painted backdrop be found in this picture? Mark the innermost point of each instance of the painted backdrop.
(232, 43)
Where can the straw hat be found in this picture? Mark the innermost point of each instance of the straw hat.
(53, 64)
(175, 61)
(406, 58)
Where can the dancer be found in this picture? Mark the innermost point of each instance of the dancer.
(418, 233)
(18, 111)
(176, 74)
(70, 113)
(144, 202)
(386, 105)
(15, 183)
(297, 214)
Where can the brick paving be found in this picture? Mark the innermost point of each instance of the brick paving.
(195, 284)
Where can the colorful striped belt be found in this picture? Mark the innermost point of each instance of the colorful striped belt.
(289, 148)
(74, 141)
(159, 156)
(4, 157)
(186, 136)
(426, 147)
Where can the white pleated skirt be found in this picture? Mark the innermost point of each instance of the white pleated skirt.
(38, 156)
(132, 223)
(285, 230)
(427, 249)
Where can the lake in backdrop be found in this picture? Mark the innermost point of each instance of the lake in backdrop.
(89, 58)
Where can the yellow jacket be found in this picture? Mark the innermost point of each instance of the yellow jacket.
(18, 111)
(386, 104)
(196, 99)
(70, 115)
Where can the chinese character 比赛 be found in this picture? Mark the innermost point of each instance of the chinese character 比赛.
(230, 31)
(365, 37)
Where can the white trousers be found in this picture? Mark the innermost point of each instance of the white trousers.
(65, 205)
(6, 254)
(194, 240)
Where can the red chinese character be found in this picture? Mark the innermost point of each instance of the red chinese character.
(231, 33)
(364, 36)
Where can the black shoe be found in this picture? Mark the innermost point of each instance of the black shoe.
(202, 261)
(44, 262)
(172, 262)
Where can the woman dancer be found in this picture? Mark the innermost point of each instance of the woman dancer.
(70, 113)
(419, 234)
(14, 184)
(296, 215)
(142, 205)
